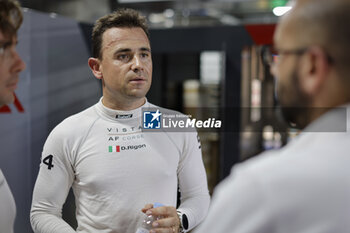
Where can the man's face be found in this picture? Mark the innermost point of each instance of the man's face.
(293, 100)
(126, 64)
(10, 66)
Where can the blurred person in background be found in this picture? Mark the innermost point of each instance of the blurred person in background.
(10, 67)
(305, 186)
(115, 169)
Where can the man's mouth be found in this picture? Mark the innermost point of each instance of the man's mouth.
(12, 86)
(138, 80)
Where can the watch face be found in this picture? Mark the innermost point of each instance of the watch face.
(184, 222)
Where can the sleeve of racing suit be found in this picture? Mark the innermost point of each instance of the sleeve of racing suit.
(54, 180)
(193, 181)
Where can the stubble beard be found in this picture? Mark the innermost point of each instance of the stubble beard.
(295, 104)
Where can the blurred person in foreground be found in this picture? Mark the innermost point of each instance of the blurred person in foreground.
(305, 186)
(10, 62)
(10, 67)
(116, 169)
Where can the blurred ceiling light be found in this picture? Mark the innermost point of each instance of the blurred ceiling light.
(281, 10)
(53, 15)
(229, 20)
(169, 23)
(169, 13)
(156, 18)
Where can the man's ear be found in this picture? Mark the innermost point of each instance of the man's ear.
(314, 70)
(94, 64)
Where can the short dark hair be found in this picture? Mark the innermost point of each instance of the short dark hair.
(10, 17)
(122, 18)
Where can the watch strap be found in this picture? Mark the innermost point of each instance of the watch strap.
(183, 222)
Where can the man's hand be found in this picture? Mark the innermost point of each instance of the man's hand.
(169, 221)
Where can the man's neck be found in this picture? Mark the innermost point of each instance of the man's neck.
(123, 105)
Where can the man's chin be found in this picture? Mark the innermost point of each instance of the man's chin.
(138, 93)
(7, 99)
(296, 117)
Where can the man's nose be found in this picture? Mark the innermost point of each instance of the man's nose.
(18, 63)
(136, 63)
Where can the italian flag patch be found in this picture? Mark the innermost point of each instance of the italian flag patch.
(114, 149)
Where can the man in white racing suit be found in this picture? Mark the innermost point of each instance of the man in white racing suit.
(114, 167)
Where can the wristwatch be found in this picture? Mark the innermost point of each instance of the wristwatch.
(183, 222)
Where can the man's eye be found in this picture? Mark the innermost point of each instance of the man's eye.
(5, 46)
(123, 57)
(144, 55)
